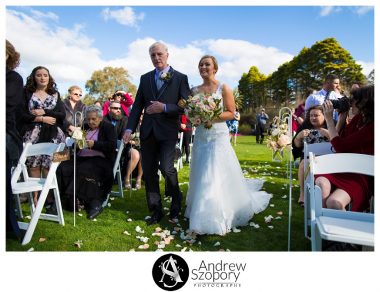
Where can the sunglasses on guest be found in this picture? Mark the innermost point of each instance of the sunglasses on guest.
(78, 94)
(115, 108)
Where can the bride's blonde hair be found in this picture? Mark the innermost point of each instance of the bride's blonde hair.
(213, 60)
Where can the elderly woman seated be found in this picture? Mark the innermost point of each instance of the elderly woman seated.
(94, 169)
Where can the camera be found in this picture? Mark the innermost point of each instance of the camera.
(342, 104)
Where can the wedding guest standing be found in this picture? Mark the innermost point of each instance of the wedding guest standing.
(43, 121)
(73, 105)
(14, 101)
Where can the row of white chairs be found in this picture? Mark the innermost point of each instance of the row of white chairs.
(334, 225)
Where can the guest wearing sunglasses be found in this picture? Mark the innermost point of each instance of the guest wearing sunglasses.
(123, 98)
(116, 118)
(73, 104)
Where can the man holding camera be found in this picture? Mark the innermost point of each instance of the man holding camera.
(121, 97)
(329, 91)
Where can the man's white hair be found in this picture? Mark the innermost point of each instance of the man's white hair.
(158, 44)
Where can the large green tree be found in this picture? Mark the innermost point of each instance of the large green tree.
(252, 88)
(105, 82)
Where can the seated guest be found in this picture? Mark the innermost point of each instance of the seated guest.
(341, 189)
(313, 130)
(133, 160)
(94, 164)
(116, 118)
(73, 105)
(123, 98)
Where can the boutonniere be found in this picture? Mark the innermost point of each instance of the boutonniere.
(166, 76)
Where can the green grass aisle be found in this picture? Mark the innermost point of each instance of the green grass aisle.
(117, 227)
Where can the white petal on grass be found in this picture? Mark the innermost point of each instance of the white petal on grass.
(109, 204)
(268, 218)
(184, 249)
(139, 230)
(217, 243)
(129, 220)
(284, 197)
(80, 214)
(253, 224)
(280, 213)
(178, 245)
(112, 198)
(30, 249)
(126, 232)
(147, 217)
(270, 226)
(94, 220)
(236, 230)
(271, 205)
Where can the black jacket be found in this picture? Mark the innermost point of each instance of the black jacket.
(163, 125)
(107, 141)
(120, 125)
(69, 119)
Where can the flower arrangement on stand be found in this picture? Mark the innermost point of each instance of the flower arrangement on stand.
(203, 109)
(80, 137)
(279, 139)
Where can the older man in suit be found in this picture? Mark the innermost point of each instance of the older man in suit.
(158, 95)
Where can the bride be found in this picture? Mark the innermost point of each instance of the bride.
(219, 197)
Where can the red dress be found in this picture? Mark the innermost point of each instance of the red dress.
(354, 139)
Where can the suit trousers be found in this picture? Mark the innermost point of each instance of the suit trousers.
(159, 154)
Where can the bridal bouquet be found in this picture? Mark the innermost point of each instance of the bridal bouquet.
(202, 109)
(279, 139)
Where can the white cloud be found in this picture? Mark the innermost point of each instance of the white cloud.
(125, 16)
(47, 15)
(361, 10)
(366, 66)
(327, 10)
(68, 53)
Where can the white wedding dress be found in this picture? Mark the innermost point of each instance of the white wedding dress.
(219, 197)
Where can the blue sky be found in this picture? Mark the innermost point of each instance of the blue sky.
(74, 41)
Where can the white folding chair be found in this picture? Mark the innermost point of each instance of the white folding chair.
(317, 149)
(117, 174)
(338, 225)
(43, 185)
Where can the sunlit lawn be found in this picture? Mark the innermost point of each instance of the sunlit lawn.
(107, 232)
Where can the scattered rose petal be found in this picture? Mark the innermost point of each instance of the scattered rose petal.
(270, 226)
(174, 232)
(80, 214)
(166, 208)
(109, 204)
(278, 218)
(199, 243)
(161, 245)
(268, 218)
(178, 245)
(144, 246)
(30, 249)
(184, 249)
(167, 240)
(28, 217)
(41, 239)
(253, 224)
(139, 230)
(284, 197)
(217, 243)
(280, 213)
(236, 230)
(127, 212)
(126, 232)
(78, 243)
(158, 229)
(129, 220)
(112, 198)
(94, 220)
(271, 205)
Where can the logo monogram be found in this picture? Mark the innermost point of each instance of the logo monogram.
(170, 272)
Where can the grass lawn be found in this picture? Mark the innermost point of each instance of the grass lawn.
(107, 232)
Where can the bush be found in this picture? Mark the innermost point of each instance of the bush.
(245, 129)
